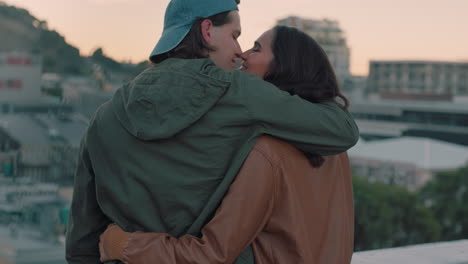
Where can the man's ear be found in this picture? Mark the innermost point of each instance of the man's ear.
(207, 30)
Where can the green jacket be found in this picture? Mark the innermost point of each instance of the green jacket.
(160, 155)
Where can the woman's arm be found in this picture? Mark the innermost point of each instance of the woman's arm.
(242, 215)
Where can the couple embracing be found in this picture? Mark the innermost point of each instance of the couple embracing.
(196, 162)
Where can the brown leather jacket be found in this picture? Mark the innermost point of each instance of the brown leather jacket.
(289, 211)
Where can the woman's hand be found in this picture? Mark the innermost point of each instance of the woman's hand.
(112, 243)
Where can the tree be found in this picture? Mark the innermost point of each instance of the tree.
(446, 195)
(58, 55)
(107, 63)
(390, 216)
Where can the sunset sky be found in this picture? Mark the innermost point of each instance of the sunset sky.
(375, 29)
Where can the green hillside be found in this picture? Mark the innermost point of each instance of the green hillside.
(21, 31)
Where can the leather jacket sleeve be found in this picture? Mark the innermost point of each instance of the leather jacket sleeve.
(242, 215)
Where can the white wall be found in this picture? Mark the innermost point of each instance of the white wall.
(20, 78)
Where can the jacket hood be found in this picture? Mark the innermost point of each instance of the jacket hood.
(169, 97)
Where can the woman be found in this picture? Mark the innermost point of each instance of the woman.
(291, 208)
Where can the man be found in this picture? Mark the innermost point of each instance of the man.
(160, 156)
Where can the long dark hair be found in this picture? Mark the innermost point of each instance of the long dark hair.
(301, 67)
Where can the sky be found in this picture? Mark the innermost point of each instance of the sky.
(127, 30)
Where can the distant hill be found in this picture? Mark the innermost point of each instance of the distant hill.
(24, 32)
(17, 28)
(21, 31)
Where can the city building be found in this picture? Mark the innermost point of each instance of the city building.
(20, 77)
(33, 158)
(20, 86)
(38, 154)
(24, 246)
(407, 161)
(46, 145)
(16, 197)
(354, 88)
(426, 80)
(9, 154)
(330, 37)
(378, 119)
(83, 97)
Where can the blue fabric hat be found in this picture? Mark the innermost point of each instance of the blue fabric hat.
(179, 17)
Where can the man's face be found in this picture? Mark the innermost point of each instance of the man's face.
(224, 40)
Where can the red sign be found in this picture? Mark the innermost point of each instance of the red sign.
(18, 61)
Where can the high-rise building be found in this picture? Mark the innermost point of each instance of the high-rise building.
(330, 37)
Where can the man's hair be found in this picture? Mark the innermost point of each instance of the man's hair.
(301, 67)
(193, 46)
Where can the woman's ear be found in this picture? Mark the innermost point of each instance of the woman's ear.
(207, 30)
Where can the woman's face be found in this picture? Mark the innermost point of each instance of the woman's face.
(257, 59)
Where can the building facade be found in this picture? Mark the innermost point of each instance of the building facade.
(405, 161)
(20, 78)
(42, 148)
(427, 80)
(403, 174)
(9, 155)
(447, 121)
(330, 37)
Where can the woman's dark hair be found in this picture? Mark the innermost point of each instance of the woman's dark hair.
(193, 46)
(301, 67)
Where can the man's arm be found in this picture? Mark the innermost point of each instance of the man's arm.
(315, 128)
(242, 215)
(86, 221)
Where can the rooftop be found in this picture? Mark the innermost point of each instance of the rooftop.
(38, 130)
(424, 153)
(23, 129)
(395, 106)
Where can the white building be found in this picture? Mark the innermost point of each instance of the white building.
(377, 119)
(407, 161)
(20, 78)
(330, 37)
(437, 80)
